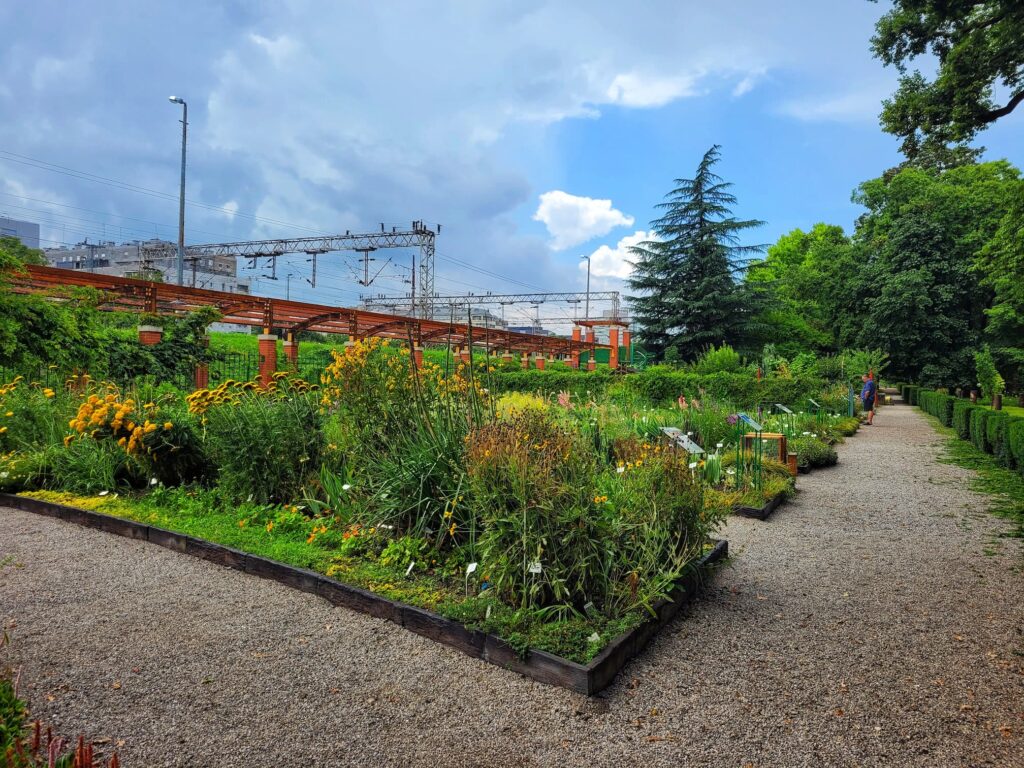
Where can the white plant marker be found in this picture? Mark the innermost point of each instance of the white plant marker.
(536, 567)
(594, 638)
(409, 569)
(470, 568)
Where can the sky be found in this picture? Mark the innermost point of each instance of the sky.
(536, 133)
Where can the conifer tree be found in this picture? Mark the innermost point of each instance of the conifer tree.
(688, 295)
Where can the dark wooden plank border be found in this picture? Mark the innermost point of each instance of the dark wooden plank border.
(541, 666)
(761, 513)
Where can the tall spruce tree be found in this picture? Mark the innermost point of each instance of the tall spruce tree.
(689, 296)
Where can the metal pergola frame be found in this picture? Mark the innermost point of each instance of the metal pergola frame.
(269, 314)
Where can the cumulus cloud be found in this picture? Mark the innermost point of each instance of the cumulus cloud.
(615, 262)
(572, 219)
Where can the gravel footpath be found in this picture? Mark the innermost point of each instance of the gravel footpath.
(875, 620)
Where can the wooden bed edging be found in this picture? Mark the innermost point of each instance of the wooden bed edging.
(541, 666)
(761, 513)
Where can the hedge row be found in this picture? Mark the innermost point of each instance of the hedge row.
(994, 432)
(662, 384)
(910, 393)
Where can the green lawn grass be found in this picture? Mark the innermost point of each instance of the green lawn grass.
(1005, 486)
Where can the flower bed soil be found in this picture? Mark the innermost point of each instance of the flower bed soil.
(543, 667)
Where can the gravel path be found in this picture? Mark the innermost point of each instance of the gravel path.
(875, 620)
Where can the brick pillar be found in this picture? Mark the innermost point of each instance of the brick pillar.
(574, 357)
(417, 355)
(524, 361)
(591, 361)
(791, 463)
(291, 352)
(268, 357)
(150, 335)
(202, 373)
(506, 356)
(613, 354)
(627, 342)
(539, 362)
(466, 354)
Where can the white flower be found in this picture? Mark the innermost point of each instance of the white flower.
(4, 474)
(346, 487)
(620, 470)
(807, 433)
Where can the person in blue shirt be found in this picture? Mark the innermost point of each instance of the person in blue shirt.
(867, 396)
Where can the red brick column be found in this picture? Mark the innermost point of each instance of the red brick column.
(574, 357)
(539, 362)
(627, 342)
(466, 354)
(291, 352)
(150, 335)
(524, 361)
(202, 373)
(591, 362)
(613, 341)
(268, 357)
(417, 355)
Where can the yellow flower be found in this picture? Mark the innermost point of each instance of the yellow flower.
(451, 530)
(167, 425)
(270, 526)
(9, 414)
(122, 441)
(241, 523)
(2, 430)
(49, 392)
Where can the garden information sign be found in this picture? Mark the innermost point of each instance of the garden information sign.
(683, 441)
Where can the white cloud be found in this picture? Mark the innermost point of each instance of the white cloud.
(572, 220)
(859, 105)
(615, 262)
(633, 90)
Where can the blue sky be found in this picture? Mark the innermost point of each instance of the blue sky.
(535, 132)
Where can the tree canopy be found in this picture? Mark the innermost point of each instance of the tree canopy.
(980, 79)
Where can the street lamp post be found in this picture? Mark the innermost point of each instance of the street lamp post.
(586, 307)
(181, 194)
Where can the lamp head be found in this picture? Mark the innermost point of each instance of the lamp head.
(175, 100)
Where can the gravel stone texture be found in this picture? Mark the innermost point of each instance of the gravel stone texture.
(876, 620)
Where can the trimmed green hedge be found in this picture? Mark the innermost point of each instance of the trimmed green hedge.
(938, 404)
(979, 436)
(995, 432)
(1015, 442)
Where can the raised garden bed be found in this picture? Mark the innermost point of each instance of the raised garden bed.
(543, 667)
(761, 513)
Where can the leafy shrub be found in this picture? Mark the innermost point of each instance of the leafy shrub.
(812, 452)
(723, 359)
(264, 444)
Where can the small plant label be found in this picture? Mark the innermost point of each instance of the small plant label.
(536, 567)
(411, 566)
(470, 568)
(783, 409)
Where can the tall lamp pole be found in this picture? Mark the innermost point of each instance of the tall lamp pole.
(181, 194)
(586, 307)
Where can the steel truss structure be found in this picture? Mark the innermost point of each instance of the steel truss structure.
(476, 300)
(418, 236)
(271, 314)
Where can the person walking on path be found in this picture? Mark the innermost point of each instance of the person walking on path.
(867, 396)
